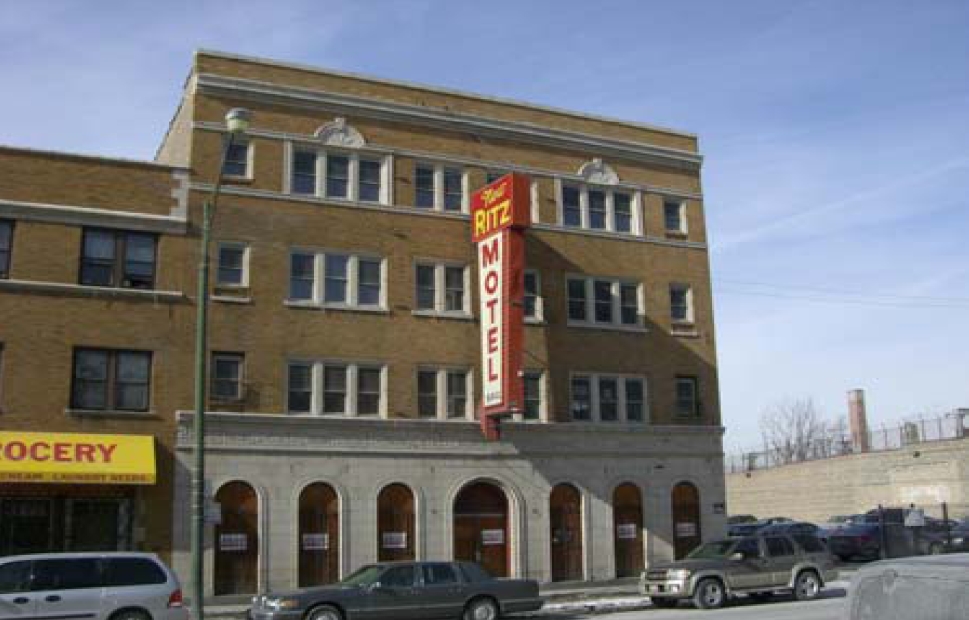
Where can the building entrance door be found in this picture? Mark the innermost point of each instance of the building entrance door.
(627, 512)
(236, 540)
(26, 526)
(481, 527)
(685, 503)
(565, 516)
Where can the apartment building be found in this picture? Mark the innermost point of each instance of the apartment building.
(345, 343)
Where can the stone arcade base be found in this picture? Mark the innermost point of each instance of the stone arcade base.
(279, 455)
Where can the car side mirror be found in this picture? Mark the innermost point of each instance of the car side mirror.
(739, 556)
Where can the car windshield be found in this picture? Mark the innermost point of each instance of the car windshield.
(712, 550)
(364, 576)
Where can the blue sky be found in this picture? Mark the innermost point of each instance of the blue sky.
(835, 137)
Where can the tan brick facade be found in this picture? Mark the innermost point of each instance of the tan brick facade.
(401, 125)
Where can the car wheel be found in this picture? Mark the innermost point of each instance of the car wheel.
(481, 609)
(324, 612)
(807, 586)
(664, 603)
(709, 594)
(131, 614)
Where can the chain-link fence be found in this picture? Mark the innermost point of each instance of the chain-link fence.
(922, 430)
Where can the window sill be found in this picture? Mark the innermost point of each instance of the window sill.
(637, 329)
(535, 321)
(231, 299)
(681, 332)
(312, 305)
(83, 290)
(236, 178)
(112, 414)
(460, 316)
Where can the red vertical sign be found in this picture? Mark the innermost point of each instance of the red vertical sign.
(500, 213)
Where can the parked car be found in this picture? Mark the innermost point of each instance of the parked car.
(756, 566)
(864, 540)
(401, 590)
(738, 519)
(927, 588)
(793, 527)
(959, 536)
(741, 530)
(845, 519)
(96, 586)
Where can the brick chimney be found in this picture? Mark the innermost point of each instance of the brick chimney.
(858, 420)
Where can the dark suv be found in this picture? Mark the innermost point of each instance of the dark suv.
(755, 565)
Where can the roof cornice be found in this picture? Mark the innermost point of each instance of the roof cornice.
(268, 62)
(254, 90)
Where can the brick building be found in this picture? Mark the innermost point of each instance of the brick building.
(343, 332)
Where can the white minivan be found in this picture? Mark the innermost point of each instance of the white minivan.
(89, 586)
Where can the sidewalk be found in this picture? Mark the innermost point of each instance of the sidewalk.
(593, 598)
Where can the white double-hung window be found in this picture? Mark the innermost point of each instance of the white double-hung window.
(444, 393)
(337, 280)
(340, 175)
(604, 302)
(440, 187)
(601, 208)
(336, 388)
(604, 397)
(442, 288)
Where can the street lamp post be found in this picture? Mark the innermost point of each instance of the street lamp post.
(237, 121)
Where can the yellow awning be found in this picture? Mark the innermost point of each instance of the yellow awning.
(77, 459)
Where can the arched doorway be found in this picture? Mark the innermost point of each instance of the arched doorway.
(319, 535)
(565, 517)
(481, 527)
(686, 518)
(395, 523)
(627, 517)
(236, 540)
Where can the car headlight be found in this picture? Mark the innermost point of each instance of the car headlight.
(285, 603)
(958, 541)
(680, 574)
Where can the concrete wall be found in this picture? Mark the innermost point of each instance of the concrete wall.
(926, 475)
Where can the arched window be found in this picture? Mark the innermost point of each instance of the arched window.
(236, 540)
(565, 517)
(627, 517)
(481, 527)
(686, 518)
(395, 523)
(319, 535)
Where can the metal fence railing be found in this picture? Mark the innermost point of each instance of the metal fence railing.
(922, 430)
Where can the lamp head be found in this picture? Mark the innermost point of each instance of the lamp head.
(237, 120)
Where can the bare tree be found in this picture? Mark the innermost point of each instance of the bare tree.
(793, 431)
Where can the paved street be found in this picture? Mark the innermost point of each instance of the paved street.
(829, 607)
